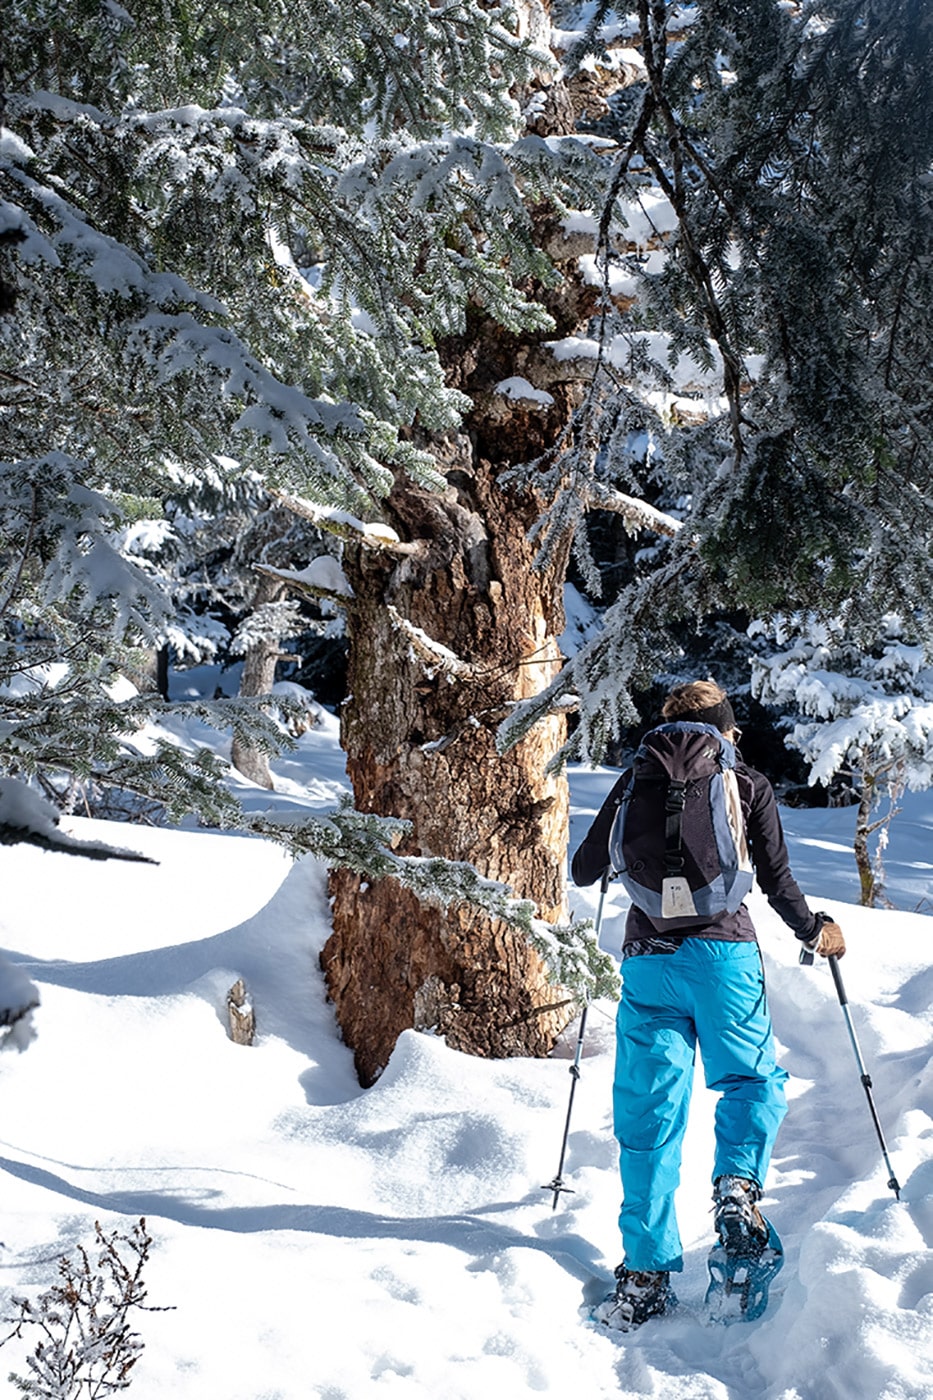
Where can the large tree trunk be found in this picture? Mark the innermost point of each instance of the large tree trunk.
(420, 740)
(422, 746)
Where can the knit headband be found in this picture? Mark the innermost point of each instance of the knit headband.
(720, 715)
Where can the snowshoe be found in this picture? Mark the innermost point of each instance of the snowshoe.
(746, 1257)
(637, 1296)
(738, 1287)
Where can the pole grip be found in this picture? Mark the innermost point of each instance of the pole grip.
(837, 978)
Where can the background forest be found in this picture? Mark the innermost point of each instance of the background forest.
(342, 342)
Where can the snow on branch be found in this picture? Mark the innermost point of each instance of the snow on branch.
(527, 713)
(274, 409)
(19, 997)
(366, 844)
(26, 818)
(595, 679)
(72, 241)
(369, 534)
(861, 718)
(432, 653)
(862, 713)
(323, 579)
(637, 514)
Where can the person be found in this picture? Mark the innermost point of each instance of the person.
(697, 986)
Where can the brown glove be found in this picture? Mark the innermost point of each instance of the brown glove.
(829, 942)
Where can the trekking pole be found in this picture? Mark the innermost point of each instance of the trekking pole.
(866, 1077)
(557, 1185)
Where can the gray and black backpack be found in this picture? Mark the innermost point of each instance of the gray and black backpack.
(678, 841)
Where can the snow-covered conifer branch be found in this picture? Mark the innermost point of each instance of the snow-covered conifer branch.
(346, 526)
(638, 515)
(365, 844)
(574, 959)
(72, 732)
(523, 717)
(26, 818)
(860, 717)
(596, 680)
(323, 580)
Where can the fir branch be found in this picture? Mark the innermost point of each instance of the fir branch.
(638, 515)
(296, 584)
(372, 535)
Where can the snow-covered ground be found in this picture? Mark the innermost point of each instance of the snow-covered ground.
(315, 1240)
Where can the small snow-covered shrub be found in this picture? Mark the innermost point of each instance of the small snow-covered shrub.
(86, 1345)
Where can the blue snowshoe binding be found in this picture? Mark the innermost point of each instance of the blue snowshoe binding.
(747, 1256)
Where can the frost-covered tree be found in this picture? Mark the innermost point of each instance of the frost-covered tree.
(742, 333)
(153, 317)
(444, 295)
(775, 340)
(865, 721)
(456, 622)
(292, 245)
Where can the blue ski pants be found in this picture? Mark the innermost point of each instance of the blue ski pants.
(710, 993)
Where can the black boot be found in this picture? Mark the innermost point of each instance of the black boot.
(746, 1257)
(740, 1225)
(638, 1295)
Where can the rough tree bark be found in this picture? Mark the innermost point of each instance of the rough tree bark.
(420, 741)
(422, 746)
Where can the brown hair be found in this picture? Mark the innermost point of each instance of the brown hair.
(695, 695)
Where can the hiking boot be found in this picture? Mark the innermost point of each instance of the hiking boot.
(739, 1223)
(639, 1294)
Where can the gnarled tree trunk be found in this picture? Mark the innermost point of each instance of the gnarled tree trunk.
(420, 738)
(422, 746)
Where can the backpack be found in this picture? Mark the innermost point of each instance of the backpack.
(678, 841)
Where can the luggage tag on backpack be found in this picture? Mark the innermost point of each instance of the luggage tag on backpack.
(676, 898)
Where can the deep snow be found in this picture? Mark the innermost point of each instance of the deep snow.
(318, 1240)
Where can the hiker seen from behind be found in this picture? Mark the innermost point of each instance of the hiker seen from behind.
(686, 829)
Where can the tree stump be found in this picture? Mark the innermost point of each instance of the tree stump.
(240, 1014)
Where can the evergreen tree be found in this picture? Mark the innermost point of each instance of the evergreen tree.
(352, 254)
(156, 172)
(778, 353)
(232, 247)
(861, 719)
